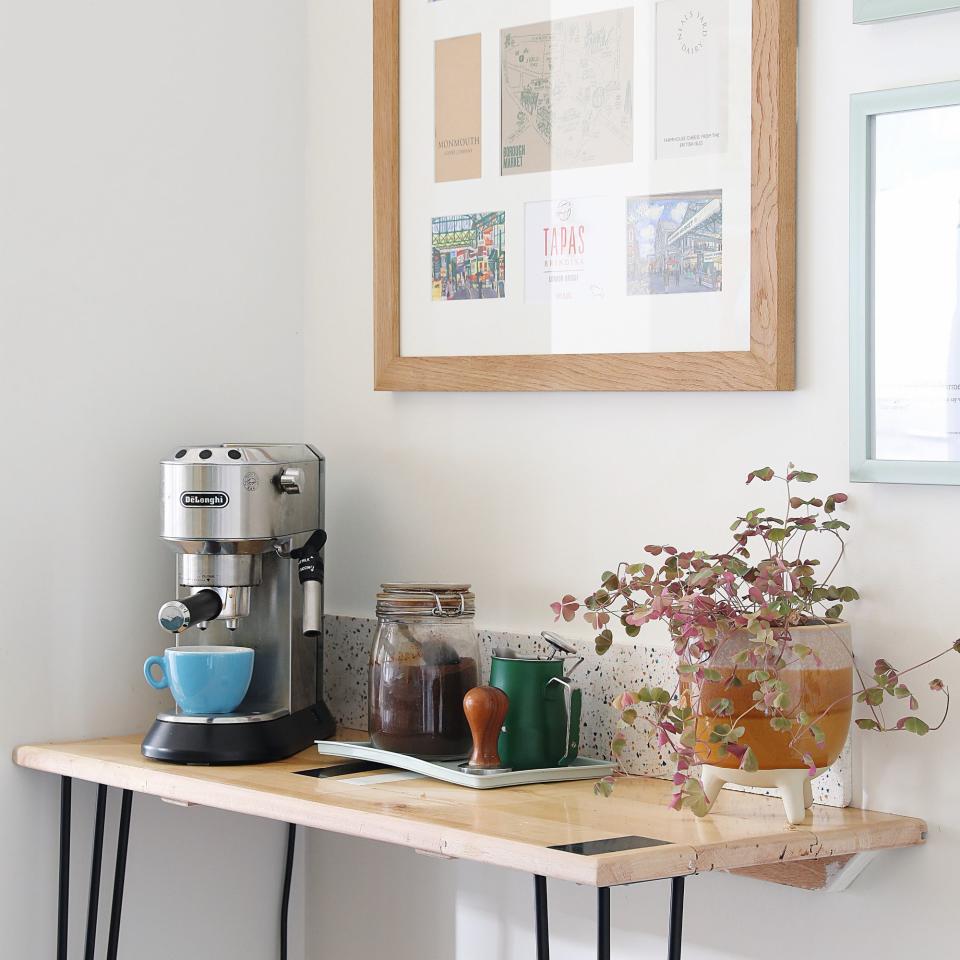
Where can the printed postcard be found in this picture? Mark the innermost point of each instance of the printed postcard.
(469, 260)
(457, 109)
(567, 93)
(675, 244)
(569, 255)
(692, 79)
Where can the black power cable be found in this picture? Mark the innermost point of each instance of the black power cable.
(287, 881)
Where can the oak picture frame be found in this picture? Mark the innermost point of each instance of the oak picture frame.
(768, 365)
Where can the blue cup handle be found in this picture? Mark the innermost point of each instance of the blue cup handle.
(160, 662)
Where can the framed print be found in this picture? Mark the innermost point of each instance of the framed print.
(584, 194)
(869, 11)
(905, 285)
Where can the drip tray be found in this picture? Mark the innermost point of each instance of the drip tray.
(452, 771)
(254, 716)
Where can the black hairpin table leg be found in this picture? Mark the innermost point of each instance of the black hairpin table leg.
(63, 899)
(603, 923)
(96, 860)
(676, 921)
(676, 918)
(119, 875)
(543, 926)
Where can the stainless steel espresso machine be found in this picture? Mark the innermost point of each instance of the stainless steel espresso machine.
(246, 521)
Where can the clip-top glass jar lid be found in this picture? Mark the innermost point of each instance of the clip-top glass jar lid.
(425, 600)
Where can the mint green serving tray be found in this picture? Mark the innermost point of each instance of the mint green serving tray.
(451, 771)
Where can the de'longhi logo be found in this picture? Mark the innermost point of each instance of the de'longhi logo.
(215, 499)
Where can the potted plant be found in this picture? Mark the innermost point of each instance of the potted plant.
(766, 679)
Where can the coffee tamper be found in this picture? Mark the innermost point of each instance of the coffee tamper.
(486, 709)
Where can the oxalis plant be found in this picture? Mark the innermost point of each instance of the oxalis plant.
(770, 581)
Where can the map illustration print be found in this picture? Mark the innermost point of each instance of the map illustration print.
(567, 93)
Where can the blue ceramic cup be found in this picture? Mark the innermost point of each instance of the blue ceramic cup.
(203, 679)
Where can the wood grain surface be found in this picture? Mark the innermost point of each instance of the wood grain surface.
(804, 874)
(513, 827)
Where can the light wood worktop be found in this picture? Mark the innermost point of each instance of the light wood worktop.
(511, 827)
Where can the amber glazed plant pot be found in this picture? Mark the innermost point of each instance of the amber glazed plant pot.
(818, 684)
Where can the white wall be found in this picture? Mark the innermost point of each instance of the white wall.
(526, 496)
(151, 265)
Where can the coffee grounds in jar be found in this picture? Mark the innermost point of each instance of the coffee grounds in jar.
(417, 707)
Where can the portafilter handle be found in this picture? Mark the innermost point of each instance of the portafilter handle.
(310, 570)
(178, 615)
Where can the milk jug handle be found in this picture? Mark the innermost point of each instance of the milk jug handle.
(572, 700)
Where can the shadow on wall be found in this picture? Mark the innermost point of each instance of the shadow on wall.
(423, 908)
(413, 907)
(402, 904)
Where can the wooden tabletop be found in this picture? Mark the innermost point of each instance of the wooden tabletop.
(510, 827)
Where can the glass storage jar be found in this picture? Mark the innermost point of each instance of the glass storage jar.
(425, 658)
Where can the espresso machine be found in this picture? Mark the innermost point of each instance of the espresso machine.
(246, 522)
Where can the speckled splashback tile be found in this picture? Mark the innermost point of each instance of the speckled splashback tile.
(348, 641)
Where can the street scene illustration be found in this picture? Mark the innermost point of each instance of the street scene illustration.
(675, 244)
(468, 256)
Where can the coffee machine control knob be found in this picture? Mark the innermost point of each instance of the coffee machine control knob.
(291, 480)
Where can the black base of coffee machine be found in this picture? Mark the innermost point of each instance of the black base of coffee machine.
(220, 744)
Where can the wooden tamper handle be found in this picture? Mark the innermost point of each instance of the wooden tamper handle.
(486, 709)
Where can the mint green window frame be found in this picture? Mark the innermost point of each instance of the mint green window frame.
(865, 107)
(869, 11)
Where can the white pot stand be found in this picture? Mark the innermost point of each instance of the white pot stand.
(795, 786)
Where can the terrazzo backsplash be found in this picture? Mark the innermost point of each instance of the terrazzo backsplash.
(348, 641)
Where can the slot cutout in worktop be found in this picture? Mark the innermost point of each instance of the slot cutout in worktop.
(341, 769)
(593, 848)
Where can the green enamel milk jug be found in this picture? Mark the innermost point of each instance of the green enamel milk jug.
(542, 726)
